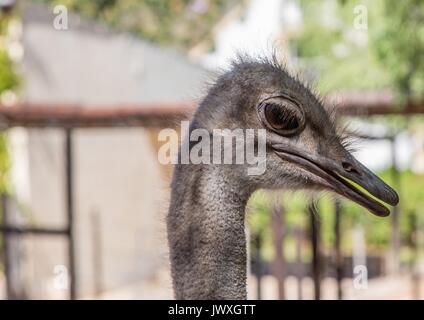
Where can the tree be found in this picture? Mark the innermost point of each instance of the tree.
(181, 23)
(8, 81)
(384, 51)
(398, 43)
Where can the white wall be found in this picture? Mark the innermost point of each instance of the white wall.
(117, 176)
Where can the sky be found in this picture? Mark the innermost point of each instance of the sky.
(256, 33)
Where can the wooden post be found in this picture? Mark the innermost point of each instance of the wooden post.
(278, 237)
(395, 235)
(10, 293)
(359, 259)
(413, 243)
(258, 258)
(299, 262)
(337, 248)
(69, 187)
(97, 253)
(316, 257)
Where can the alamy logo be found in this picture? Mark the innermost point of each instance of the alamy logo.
(60, 21)
(61, 278)
(221, 146)
(360, 279)
(360, 21)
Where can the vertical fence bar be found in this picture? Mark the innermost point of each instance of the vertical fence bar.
(395, 239)
(299, 262)
(337, 248)
(70, 213)
(278, 237)
(7, 259)
(316, 257)
(413, 243)
(97, 253)
(258, 271)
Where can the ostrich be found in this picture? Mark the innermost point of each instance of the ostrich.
(206, 218)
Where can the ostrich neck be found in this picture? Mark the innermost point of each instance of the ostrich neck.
(206, 233)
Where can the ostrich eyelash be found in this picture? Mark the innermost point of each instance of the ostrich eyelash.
(349, 138)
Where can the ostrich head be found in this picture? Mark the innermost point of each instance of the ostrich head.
(304, 147)
(206, 218)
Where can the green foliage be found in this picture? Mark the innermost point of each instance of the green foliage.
(4, 163)
(387, 54)
(377, 229)
(8, 80)
(181, 23)
(398, 42)
(259, 217)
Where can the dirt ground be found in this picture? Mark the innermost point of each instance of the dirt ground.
(386, 288)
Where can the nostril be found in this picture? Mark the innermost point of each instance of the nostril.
(350, 168)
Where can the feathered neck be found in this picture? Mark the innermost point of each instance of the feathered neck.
(206, 233)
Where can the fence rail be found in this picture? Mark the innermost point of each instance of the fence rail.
(70, 116)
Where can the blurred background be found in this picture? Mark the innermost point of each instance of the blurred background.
(85, 87)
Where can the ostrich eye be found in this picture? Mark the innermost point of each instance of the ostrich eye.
(280, 119)
(281, 116)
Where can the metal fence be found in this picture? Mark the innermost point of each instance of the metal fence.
(70, 117)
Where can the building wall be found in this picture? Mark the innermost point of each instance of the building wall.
(120, 202)
(90, 64)
(118, 180)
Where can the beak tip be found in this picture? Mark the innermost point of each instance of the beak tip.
(396, 202)
(381, 212)
(393, 198)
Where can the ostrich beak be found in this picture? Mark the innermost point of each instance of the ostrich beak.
(343, 176)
